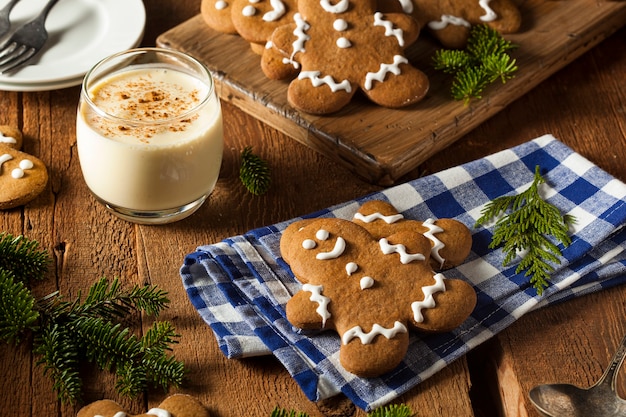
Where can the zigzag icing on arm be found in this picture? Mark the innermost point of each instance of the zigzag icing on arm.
(377, 329)
(380, 75)
(389, 30)
(400, 249)
(429, 300)
(378, 216)
(321, 300)
(328, 80)
(301, 37)
(437, 244)
(446, 20)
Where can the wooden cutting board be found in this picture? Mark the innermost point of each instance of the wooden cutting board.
(382, 144)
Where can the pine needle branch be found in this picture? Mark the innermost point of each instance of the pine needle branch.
(485, 60)
(392, 410)
(23, 257)
(254, 172)
(526, 223)
(17, 308)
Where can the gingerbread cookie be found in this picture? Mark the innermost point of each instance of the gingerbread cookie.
(450, 21)
(11, 136)
(450, 239)
(177, 405)
(22, 176)
(370, 290)
(341, 47)
(217, 15)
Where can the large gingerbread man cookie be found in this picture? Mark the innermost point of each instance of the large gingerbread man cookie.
(344, 46)
(370, 290)
(178, 405)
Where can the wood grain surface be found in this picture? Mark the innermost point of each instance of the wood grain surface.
(383, 144)
(583, 104)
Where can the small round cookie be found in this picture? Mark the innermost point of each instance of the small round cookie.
(22, 177)
(11, 136)
(216, 14)
(178, 405)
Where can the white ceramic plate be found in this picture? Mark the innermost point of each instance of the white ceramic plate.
(80, 33)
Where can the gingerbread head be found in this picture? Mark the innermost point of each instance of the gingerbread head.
(370, 290)
(344, 46)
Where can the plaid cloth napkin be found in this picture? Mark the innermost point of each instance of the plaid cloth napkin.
(241, 285)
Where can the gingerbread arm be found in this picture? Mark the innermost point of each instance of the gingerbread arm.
(308, 309)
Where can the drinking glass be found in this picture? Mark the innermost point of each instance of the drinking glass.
(149, 134)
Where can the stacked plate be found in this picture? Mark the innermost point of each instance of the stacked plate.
(80, 33)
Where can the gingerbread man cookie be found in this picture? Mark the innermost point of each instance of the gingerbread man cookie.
(177, 405)
(450, 239)
(343, 46)
(22, 176)
(450, 21)
(371, 291)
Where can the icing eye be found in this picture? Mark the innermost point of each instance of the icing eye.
(309, 244)
(351, 268)
(249, 11)
(322, 234)
(366, 282)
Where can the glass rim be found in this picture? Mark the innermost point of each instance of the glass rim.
(143, 50)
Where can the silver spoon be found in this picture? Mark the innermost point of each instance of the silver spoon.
(600, 400)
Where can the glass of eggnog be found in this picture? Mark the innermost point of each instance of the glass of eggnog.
(149, 134)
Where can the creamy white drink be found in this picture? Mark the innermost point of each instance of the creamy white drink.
(149, 140)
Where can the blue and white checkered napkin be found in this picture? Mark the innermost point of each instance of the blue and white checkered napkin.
(241, 285)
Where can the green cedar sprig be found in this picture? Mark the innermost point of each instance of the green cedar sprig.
(526, 229)
(69, 333)
(254, 172)
(484, 60)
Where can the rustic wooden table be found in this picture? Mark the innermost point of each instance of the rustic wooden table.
(584, 105)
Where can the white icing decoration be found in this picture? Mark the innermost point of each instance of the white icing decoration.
(301, 37)
(389, 30)
(7, 139)
(159, 412)
(322, 234)
(489, 15)
(378, 216)
(4, 158)
(343, 43)
(366, 282)
(446, 20)
(351, 268)
(308, 244)
(327, 80)
(249, 11)
(377, 329)
(221, 5)
(407, 6)
(340, 246)
(278, 11)
(25, 164)
(400, 249)
(437, 244)
(340, 25)
(429, 300)
(321, 300)
(384, 69)
(340, 7)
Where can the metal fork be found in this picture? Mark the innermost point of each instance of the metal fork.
(5, 23)
(25, 42)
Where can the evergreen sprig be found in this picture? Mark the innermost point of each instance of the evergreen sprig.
(526, 229)
(67, 334)
(391, 410)
(22, 257)
(254, 172)
(484, 60)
